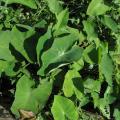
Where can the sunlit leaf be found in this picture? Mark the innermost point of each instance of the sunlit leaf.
(29, 98)
(60, 54)
(54, 6)
(63, 109)
(74, 85)
(62, 19)
(68, 87)
(78, 65)
(92, 85)
(110, 23)
(104, 107)
(22, 42)
(116, 114)
(29, 3)
(90, 29)
(5, 39)
(8, 68)
(97, 7)
(107, 68)
(42, 42)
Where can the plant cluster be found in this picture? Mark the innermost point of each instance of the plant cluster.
(61, 58)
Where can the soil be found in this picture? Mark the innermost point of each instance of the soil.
(5, 108)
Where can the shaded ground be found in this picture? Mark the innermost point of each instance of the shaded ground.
(4, 108)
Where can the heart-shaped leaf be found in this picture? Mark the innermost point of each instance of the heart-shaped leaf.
(63, 109)
(29, 98)
(58, 56)
(59, 53)
(23, 43)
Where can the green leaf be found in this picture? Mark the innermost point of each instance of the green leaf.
(21, 42)
(116, 114)
(79, 91)
(62, 19)
(74, 85)
(78, 65)
(54, 6)
(92, 85)
(9, 70)
(110, 23)
(97, 7)
(58, 61)
(101, 104)
(90, 54)
(29, 3)
(5, 53)
(29, 98)
(116, 57)
(68, 87)
(89, 27)
(66, 30)
(64, 109)
(41, 43)
(59, 53)
(95, 97)
(2, 65)
(40, 24)
(104, 107)
(108, 95)
(107, 68)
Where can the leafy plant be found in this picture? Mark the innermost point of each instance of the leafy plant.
(63, 66)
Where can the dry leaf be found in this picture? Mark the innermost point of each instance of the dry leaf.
(27, 115)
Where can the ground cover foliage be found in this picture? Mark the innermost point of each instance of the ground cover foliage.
(60, 59)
